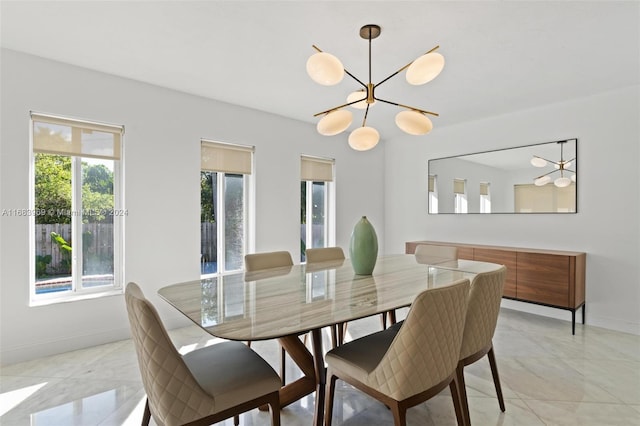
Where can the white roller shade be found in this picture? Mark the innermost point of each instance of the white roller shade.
(458, 186)
(227, 158)
(484, 188)
(316, 169)
(63, 136)
(432, 183)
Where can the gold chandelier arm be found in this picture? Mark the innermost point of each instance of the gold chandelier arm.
(366, 112)
(405, 67)
(338, 107)
(408, 107)
(345, 70)
(552, 171)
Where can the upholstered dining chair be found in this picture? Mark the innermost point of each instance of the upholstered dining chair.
(482, 316)
(404, 368)
(267, 260)
(204, 386)
(434, 254)
(263, 261)
(324, 254)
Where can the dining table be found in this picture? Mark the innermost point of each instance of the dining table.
(286, 302)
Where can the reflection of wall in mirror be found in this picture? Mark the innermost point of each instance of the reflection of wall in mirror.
(475, 174)
(548, 198)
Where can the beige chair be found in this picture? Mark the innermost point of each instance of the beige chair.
(482, 315)
(264, 261)
(325, 254)
(267, 260)
(434, 254)
(404, 368)
(202, 387)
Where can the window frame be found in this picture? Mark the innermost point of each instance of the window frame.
(329, 202)
(432, 188)
(460, 202)
(78, 291)
(248, 210)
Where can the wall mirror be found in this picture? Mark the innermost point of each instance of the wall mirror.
(539, 178)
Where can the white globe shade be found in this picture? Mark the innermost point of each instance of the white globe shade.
(413, 122)
(541, 181)
(325, 69)
(335, 122)
(562, 182)
(573, 177)
(567, 165)
(538, 162)
(425, 68)
(364, 138)
(358, 94)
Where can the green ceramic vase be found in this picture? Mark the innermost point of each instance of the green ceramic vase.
(363, 249)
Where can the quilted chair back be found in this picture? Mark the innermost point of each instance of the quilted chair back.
(482, 315)
(434, 254)
(427, 347)
(173, 394)
(267, 260)
(325, 254)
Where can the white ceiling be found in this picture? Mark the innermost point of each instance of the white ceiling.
(500, 56)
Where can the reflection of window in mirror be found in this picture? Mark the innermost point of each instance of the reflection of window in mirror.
(485, 197)
(433, 194)
(460, 193)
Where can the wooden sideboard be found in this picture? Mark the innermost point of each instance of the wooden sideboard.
(545, 277)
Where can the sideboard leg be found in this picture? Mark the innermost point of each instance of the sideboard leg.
(584, 307)
(573, 322)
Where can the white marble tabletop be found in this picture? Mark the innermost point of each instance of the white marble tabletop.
(293, 300)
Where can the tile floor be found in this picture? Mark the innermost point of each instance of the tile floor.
(549, 377)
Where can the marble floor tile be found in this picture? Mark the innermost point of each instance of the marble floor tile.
(548, 376)
(584, 413)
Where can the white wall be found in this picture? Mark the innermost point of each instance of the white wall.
(606, 226)
(162, 157)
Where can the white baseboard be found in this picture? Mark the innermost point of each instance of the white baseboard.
(53, 347)
(595, 320)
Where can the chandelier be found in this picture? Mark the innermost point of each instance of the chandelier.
(327, 70)
(561, 166)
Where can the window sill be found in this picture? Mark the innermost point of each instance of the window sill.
(75, 297)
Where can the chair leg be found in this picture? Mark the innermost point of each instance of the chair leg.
(392, 317)
(455, 387)
(462, 393)
(399, 414)
(146, 417)
(496, 377)
(275, 410)
(282, 365)
(328, 402)
(383, 320)
(334, 335)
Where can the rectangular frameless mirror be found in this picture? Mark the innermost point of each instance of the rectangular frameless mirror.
(538, 178)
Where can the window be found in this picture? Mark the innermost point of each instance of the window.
(225, 175)
(316, 204)
(485, 197)
(460, 195)
(77, 209)
(433, 194)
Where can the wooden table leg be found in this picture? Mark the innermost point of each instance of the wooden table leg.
(305, 385)
(321, 376)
